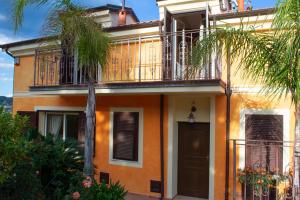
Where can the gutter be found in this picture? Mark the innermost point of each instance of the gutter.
(10, 54)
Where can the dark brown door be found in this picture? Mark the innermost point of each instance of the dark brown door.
(193, 159)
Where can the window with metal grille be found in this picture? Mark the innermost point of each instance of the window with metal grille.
(264, 134)
(125, 135)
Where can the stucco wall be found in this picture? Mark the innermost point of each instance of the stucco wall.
(136, 180)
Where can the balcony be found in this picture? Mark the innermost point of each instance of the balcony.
(143, 60)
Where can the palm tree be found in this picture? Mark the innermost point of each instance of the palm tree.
(272, 59)
(77, 32)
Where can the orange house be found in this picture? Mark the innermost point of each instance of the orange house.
(160, 131)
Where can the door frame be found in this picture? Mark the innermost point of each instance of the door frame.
(172, 173)
(180, 133)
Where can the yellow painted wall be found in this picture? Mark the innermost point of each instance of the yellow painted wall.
(220, 146)
(24, 74)
(136, 180)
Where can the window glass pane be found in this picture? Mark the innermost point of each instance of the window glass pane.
(72, 126)
(55, 124)
(125, 136)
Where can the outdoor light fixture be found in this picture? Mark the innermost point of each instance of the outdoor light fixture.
(191, 116)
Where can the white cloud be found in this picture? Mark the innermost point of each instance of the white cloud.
(9, 95)
(4, 39)
(6, 65)
(6, 79)
(3, 18)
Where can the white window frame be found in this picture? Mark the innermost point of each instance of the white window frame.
(64, 120)
(113, 161)
(286, 131)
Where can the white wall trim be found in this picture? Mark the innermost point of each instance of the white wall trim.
(170, 188)
(58, 108)
(173, 150)
(249, 89)
(112, 161)
(212, 149)
(286, 131)
(153, 90)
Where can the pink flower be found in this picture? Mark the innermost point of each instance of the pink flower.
(87, 183)
(76, 195)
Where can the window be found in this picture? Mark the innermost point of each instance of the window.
(126, 137)
(63, 125)
(268, 128)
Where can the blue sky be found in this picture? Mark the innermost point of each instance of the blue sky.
(33, 21)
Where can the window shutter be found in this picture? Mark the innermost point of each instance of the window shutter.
(262, 128)
(125, 135)
(32, 118)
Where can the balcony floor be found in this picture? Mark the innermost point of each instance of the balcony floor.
(205, 86)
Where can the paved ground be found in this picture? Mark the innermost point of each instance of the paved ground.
(140, 197)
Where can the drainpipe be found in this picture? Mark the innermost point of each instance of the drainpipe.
(228, 93)
(162, 160)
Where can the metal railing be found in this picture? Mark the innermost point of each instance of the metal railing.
(263, 170)
(166, 57)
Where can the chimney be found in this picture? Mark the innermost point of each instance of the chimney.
(241, 5)
(122, 14)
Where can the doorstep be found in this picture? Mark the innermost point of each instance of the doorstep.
(139, 197)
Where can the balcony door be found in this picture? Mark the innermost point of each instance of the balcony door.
(67, 69)
(182, 31)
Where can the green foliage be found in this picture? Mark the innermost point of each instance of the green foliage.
(272, 58)
(68, 21)
(12, 143)
(260, 180)
(56, 161)
(34, 167)
(112, 191)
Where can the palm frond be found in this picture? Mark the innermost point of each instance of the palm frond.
(272, 58)
(74, 28)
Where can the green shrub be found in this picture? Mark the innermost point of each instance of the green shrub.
(57, 161)
(112, 191)
(33, 167)
(12, 143)
(43, 167)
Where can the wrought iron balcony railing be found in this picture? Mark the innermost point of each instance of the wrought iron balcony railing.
(263, 170)
(166, 57)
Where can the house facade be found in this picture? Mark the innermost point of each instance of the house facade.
(161, 130)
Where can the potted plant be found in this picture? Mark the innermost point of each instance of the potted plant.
(260, 183)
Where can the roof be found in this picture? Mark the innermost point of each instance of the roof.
(30, 41)
(114, 8)
(246, 13)
(110, 29)
(133, 26)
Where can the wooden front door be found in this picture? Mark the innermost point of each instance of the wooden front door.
(193, 159)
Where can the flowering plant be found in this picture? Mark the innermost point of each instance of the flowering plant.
(260, 180)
